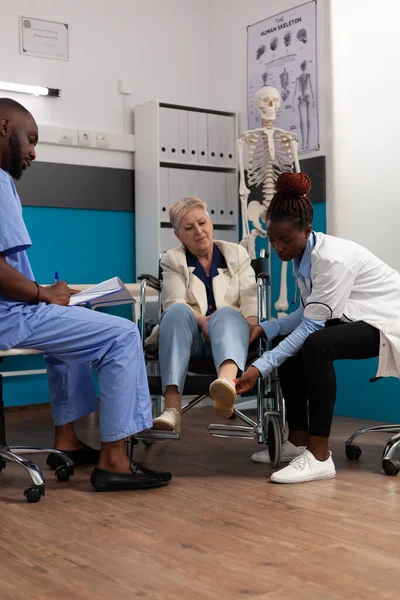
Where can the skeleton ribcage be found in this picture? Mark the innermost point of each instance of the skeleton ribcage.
(260, 158)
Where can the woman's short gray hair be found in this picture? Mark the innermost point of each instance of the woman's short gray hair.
(182, 207)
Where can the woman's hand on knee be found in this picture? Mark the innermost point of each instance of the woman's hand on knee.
(247, 381)
(203, 326)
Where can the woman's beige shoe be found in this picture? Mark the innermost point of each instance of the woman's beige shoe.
(169, 420)
(223, 392)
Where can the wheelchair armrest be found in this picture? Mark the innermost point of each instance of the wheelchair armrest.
(265, 277)
(152, 281)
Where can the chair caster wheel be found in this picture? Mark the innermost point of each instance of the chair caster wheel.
(391, 466)
(63, 473)
(33, 493)
(2, 465)
(353, 452)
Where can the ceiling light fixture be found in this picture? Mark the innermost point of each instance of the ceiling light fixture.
(36, 90)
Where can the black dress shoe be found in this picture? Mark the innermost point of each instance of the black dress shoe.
(81, 457)
(163, 475)
(139, 479)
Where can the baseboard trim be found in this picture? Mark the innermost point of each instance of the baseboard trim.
(27, 407)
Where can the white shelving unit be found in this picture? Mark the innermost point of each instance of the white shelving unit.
(182, 151)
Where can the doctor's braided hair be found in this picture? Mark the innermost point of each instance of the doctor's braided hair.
(290, 202)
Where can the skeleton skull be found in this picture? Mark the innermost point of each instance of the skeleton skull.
(267, 100)
(287, 38)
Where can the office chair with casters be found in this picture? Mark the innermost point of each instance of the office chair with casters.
(390, 465)
(15, 454)
(269, 426)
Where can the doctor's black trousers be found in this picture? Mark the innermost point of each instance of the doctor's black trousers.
(308, 379)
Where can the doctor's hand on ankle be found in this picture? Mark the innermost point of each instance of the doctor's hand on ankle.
(247, 381)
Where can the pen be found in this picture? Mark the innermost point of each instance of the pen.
(56, 277)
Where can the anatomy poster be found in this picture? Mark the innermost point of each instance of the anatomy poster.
(282, 53)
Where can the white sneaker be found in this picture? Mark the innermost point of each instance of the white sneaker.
(305, 468)
(169, 420)
(288, 452)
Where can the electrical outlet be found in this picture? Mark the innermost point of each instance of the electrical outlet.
(66, 136)
(84, 138)
(102, 140)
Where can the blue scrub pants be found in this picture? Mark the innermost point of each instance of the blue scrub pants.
(76, 340)
(180, 339)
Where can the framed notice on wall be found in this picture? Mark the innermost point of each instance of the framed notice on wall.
(45, 39)
(282, 53)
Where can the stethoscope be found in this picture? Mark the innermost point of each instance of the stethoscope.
(296, 290)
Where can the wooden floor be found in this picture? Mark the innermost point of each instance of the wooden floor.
(219, 530)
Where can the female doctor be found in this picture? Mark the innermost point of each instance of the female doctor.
(350, 310)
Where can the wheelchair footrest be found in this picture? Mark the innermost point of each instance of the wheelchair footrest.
(152, 435)
(232, 431)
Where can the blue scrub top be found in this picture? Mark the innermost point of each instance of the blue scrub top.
(17, 318)
(218, 262)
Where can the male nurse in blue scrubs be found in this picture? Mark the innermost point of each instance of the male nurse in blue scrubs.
(73, 339)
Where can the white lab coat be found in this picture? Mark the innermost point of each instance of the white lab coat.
(348, 282)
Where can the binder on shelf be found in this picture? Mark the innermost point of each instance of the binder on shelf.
(168, 134)
(193, 138)
(174, 187)
(229, 141)
(168, 239)
(202, 137)
(212, 139)
(182, 150)
(222, 152)
(164, 195)
(232, 198)
(207, 192)
(220, 196)
(228, 235)
(192, 186)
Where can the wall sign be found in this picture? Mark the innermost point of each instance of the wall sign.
(46, 39)
(282, 53)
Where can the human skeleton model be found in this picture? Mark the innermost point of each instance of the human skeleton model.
(304, 88)
(271, 151)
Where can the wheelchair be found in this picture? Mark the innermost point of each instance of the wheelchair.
(269, 428)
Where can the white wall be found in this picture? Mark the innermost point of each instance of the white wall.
(366, 132)
(162, 46)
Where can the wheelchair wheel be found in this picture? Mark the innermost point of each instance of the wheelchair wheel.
(274, 440)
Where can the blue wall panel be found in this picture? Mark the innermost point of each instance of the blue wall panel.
(84, 246)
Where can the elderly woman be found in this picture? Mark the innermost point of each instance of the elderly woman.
(210, 305)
